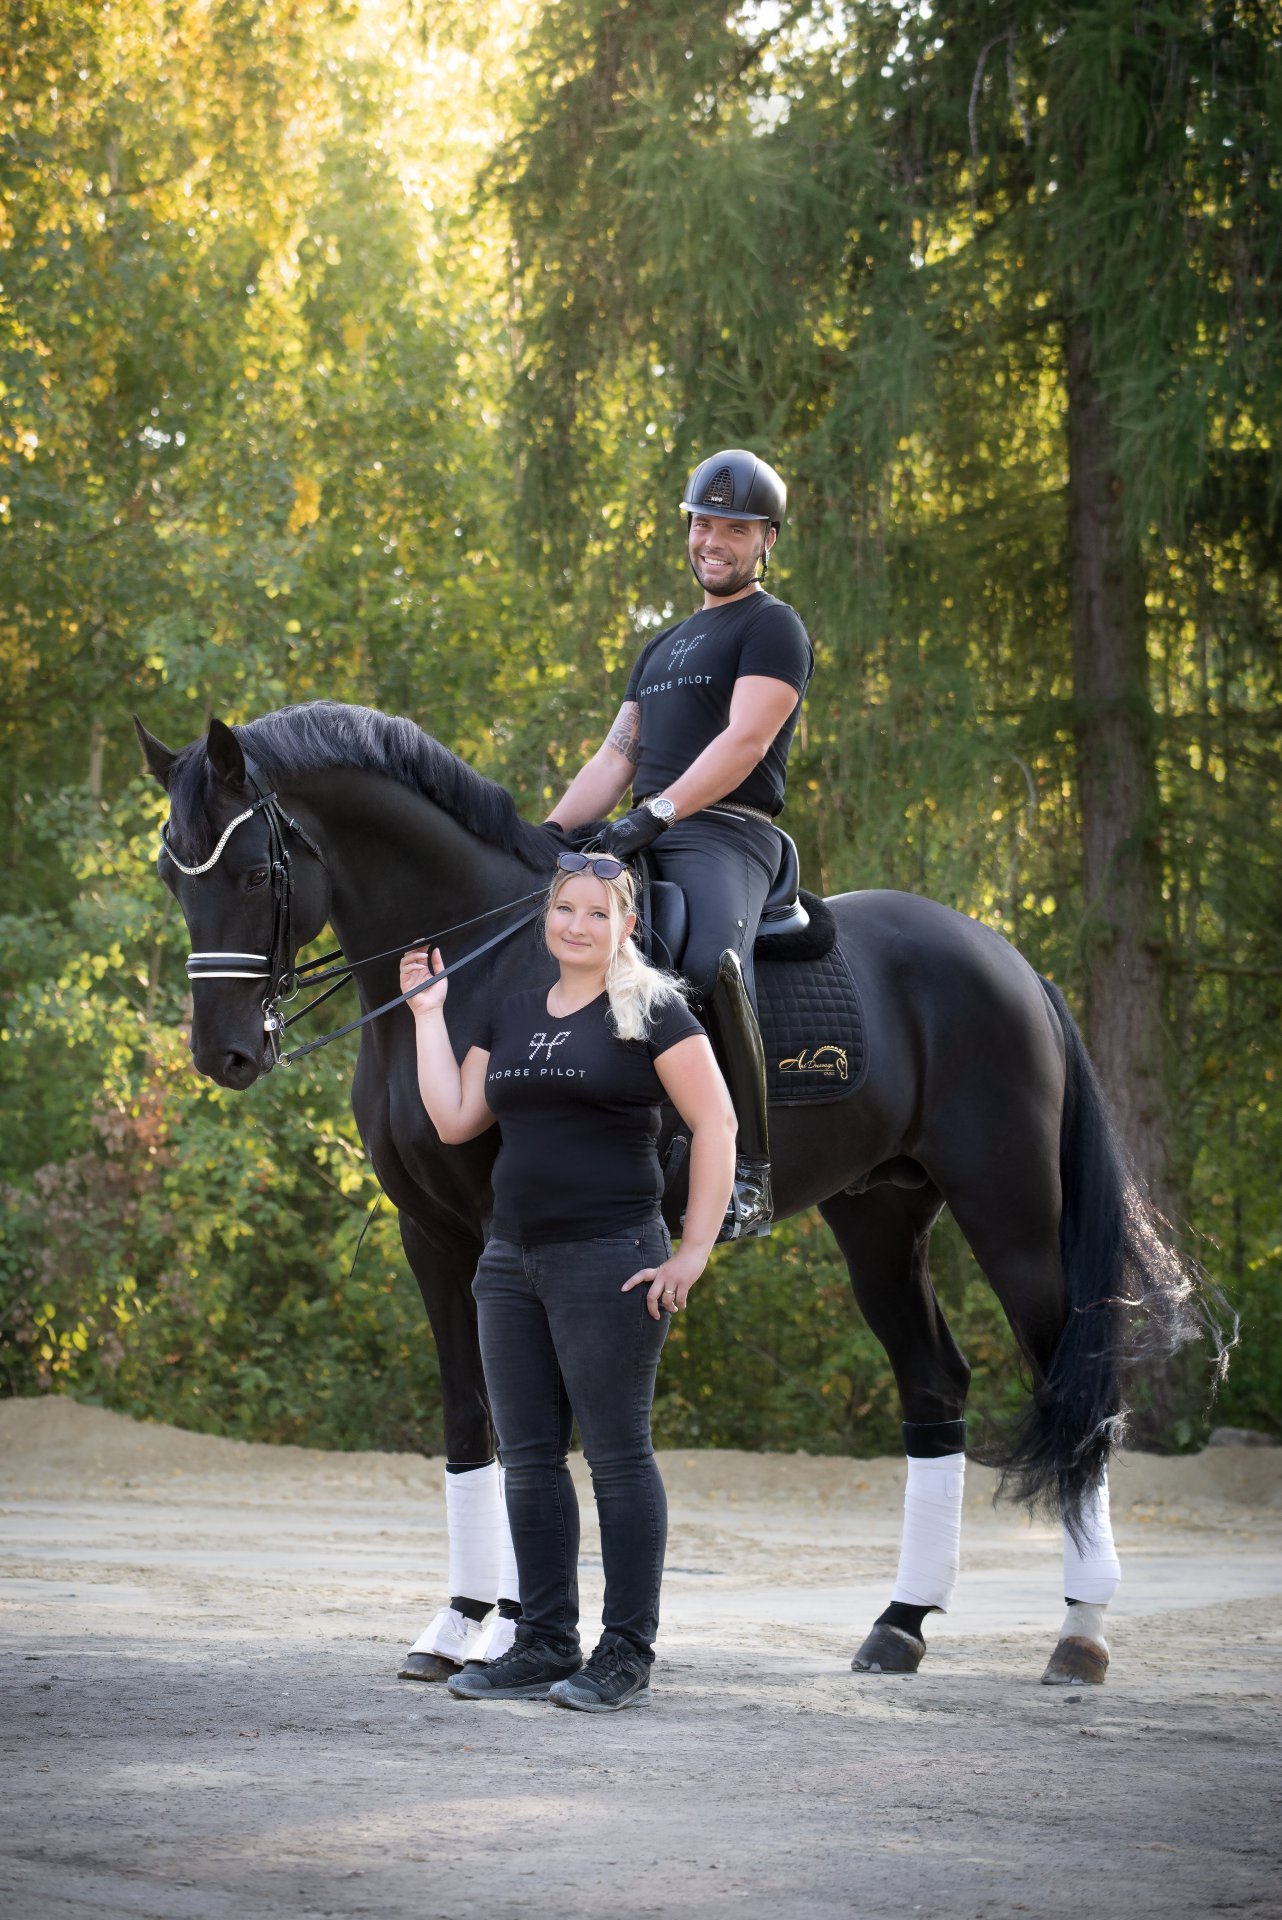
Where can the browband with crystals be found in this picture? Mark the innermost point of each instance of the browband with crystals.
(213, 859)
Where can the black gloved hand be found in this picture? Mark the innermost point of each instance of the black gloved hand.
(627, 837)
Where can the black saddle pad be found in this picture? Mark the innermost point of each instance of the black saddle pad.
(812, 1027)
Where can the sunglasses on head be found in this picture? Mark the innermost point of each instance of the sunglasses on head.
(601, 864)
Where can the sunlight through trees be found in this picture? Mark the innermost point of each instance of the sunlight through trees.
(361, 350)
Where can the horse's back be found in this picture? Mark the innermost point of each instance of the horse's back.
(959, 1030)
(895, 941)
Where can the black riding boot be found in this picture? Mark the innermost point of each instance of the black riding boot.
(736, 1041)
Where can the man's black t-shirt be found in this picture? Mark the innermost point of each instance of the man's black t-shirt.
(684, 679)
(578, 1110)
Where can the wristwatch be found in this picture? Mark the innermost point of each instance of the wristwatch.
(662, 808)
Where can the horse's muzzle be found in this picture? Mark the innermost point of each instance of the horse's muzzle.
(230, 1067)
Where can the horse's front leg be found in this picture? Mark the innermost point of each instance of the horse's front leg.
(482, 1565)
(884, 1234)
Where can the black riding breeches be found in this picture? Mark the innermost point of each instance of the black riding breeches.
(726, 862)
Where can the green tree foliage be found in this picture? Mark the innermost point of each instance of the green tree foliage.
(249, 344)
(998, 291)
(363, 349)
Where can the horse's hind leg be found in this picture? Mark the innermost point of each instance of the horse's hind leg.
(1091, 1578)
(884, 1235)
(1015, 1238)
(482, 1565)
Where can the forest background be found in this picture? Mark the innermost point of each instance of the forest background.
(360, 351)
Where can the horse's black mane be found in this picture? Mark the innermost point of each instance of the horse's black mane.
(325, 733)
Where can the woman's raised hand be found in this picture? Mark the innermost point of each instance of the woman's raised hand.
(416, 967)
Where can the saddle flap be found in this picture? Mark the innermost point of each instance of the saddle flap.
(665, 921)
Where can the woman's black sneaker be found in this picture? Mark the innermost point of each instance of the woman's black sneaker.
(616, 1676)
(526, 1672)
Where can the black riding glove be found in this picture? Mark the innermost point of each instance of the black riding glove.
(627, 837)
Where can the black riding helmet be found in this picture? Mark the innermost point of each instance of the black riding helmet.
(736, 485)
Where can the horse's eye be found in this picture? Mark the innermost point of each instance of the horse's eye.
(259, 877)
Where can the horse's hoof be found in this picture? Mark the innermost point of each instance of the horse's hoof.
(426, 1666)
(889, 1650)
(1076, 1663)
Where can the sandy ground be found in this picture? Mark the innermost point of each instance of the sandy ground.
(200, 1716)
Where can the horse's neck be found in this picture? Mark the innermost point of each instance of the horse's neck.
(400, 866)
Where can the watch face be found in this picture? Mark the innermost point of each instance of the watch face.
(661, 809)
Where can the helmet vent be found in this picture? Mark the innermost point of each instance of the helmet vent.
(719, 491)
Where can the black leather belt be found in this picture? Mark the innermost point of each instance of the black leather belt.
(723, 806)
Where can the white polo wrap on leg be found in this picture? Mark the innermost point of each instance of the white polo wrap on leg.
(1085, 1622)
(499, 1633)
(1091, 1570)
(474, 1513)
(931, 1550)
(494, 1639)
(448, 1634)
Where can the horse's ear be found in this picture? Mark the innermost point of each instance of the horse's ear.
(158, 756)
(225, 756)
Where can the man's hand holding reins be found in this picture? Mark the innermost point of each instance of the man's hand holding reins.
(626, 838)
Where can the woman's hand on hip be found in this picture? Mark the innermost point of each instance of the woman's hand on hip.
(416, 967)
(668, 1286)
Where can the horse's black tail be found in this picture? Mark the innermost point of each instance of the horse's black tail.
(1130, 1298)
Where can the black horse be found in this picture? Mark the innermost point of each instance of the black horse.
(978, 1093)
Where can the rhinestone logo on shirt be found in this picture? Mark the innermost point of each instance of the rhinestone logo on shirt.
(681, 650)
(540, 1040)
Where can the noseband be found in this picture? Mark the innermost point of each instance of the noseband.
(276, 966)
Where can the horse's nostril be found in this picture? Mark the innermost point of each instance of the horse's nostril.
(239, 1070)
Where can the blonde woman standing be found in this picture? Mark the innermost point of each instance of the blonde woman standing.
(578, 1280)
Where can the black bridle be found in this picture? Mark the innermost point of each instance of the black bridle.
(346, 970)
(277, 966)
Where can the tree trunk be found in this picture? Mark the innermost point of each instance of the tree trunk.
(1124, 930)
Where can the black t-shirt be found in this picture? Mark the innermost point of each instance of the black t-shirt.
(683, 681)
(578, 1111)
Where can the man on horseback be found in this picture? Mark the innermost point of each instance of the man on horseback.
(702, 739)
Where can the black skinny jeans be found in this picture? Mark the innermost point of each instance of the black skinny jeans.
(727, 863)
(560, 1341)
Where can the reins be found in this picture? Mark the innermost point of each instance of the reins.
(277, 968)
(455, 966)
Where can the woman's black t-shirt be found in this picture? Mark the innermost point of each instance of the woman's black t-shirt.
(684, 679)
(578, 1110)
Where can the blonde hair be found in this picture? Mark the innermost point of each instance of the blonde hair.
(635, 988)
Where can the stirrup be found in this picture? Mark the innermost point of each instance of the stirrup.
(751, 1207)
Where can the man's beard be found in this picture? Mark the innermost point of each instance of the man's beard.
(731, 583)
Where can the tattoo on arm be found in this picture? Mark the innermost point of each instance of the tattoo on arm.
(625, 735)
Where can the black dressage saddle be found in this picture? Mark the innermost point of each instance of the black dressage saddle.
(665, 915)
(812, 1025)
